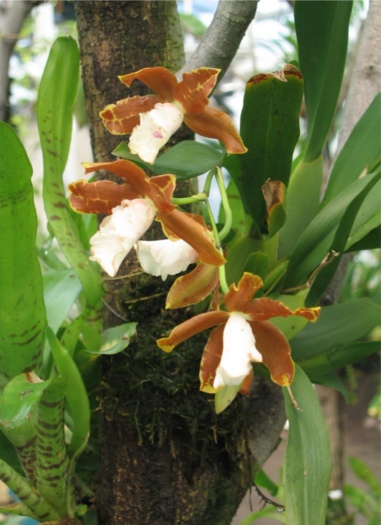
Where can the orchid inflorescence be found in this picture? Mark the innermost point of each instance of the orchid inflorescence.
(241, 331)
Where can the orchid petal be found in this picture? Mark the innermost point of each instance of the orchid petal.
(275, 350)
(239, 296)
(265, 308)
(210, 360)
(161, 190)
(192, 92)
(178, 224)
(191, 327)
(119, 232)
(122, 117)
(159, 79)
(239, 351)
(165, 257)
(135, 178)
(193, 287)
(215, 124)
(155, 129)
(97, 197)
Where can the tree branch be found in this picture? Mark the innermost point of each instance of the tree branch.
(222, 39)
(13, 13)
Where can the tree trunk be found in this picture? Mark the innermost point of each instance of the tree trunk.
(165, 456)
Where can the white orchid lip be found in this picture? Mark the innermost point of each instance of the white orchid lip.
(239, 351)
(165, 257)
(119, 232)
(155, 129)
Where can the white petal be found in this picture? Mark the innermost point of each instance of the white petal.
(119, 232)
(155, 128)
(165, 257)
(239, 350)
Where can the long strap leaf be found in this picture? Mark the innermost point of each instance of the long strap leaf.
(54, 118)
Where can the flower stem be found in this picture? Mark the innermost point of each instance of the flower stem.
(225, 203)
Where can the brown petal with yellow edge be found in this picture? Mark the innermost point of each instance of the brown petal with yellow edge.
(191, 327)
(210, 360)
(264, 308)
(239, 296)
(276, 352)
(133, 176)
(97, 197)
(184, 226)
(161, 188)
(192, 92)
(215, 124)
(193, 287)
(159, 79)
(122, 117)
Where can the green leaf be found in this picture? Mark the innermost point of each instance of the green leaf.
(114, 340)
(317, 238)
(186, 159)
(326, 274)
(20, 396)
(263, 480)
(361, 152)
(301, 204)
(371, 241)
(368, 217)
(8, 453)
(22, 311)
(63, 285)
(270, 130)
(338, 357)
(241, 222)
(322, 38)
(76, 395)
(54, 119)
(338, 325)
(363, 472)
(307, 461)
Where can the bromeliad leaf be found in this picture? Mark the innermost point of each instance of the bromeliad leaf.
(22, 311)
(54, 118)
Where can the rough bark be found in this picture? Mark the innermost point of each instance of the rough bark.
(165, 456)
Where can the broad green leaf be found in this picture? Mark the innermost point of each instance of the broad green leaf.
(114, 340)
(338, 325)
(361, 152)
(54, 119)
(338, 357)
(322, 38)
(368, 217)
(186, 159)
(371, 241)
(237, 256)
(270, 130)
(363, 472)
(22, 311)
(301, 204)
(326, 274)
(316, 241)
(8, 453)
(19, 397)
(307, 461)
(61, 290)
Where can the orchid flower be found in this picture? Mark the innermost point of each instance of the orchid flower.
(241, 335)
(165, 257)
(152, 119)
(131, 208)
